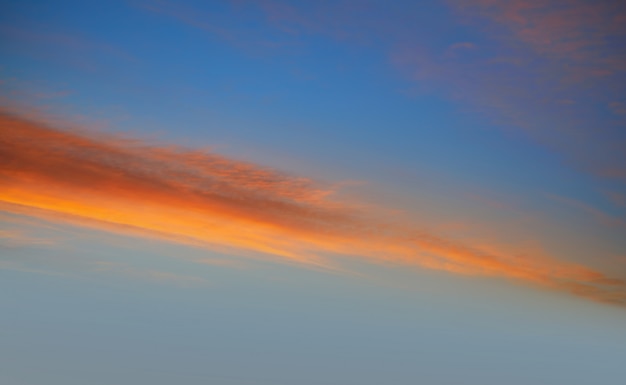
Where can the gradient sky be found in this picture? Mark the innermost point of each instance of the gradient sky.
(313, 192)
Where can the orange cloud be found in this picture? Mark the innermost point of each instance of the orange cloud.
(576, 29)
(200, 198)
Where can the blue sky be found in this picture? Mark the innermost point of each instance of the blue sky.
(280, 192)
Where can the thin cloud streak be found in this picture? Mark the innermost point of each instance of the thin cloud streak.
(201, 198)
(15, 239)
(600, 216)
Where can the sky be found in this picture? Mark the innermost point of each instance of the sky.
(288, 192)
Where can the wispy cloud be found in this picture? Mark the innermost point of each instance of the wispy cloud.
(218, 22)
(65, 47)
(599, 215)
(201, 198)
(575, 30)
(552, 70)
(15, 238)
(146, 274)
(555, 69)
(89, 269)
(617, 198)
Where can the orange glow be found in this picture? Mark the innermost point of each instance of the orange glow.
(204, 199)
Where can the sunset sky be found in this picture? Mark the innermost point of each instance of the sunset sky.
(357, 192)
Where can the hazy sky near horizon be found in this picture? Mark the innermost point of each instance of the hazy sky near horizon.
(313, 192)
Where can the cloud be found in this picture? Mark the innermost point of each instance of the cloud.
(553, 70)
(15, 239)
(619, 108)
(599, 215)
(539, 53)
(146, 274)
(64, 47)
(83, 269)
(219, 23)
(576, 30)
(195, 197)
(618, 199)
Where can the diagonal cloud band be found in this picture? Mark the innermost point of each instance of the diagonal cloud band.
(194, 197)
